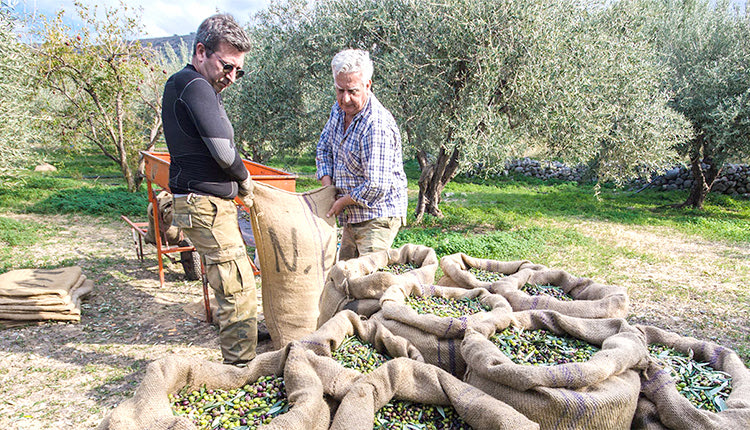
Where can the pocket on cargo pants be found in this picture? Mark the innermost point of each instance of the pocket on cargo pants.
(233, 283)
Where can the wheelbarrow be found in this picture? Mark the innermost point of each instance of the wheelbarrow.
(157, 175)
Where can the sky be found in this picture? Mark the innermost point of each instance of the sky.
(160, 18)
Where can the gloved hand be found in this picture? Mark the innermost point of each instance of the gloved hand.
(246, 191)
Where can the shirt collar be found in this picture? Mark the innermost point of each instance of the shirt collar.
(365, 108)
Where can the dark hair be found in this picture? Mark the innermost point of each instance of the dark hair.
(221, 28)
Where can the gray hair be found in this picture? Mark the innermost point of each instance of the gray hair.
(352, 61)
(221, 28)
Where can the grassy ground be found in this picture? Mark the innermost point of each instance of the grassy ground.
(685, 271)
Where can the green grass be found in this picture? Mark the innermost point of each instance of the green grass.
(15, 233)
(502, 204)
(516, 244)
(490, 217)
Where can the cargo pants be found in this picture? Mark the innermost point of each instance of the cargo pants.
(368, 236)
(211, 224)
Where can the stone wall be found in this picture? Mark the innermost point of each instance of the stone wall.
(734, 179)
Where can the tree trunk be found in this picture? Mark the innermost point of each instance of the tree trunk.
(702, 182)
(433, 180)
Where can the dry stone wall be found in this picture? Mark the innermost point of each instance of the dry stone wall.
(734, 179)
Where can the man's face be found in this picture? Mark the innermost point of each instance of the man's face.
(351, 92)
(215, 65)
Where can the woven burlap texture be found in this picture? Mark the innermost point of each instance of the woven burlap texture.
(600, 393)
(357, 284)
(439, 338)
(296, 246)
(674, 411)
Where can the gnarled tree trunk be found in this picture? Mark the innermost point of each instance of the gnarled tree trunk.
(432, 181)
(702, 181)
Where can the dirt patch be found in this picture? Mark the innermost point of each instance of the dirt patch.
(680, 283)
(68, 376)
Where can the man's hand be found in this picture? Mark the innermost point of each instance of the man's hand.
(326, 180)
(340, 204)
(246, 191)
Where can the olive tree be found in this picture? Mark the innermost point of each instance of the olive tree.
(476, 82)
(707, 49)
(106, 87)
(275, 108)
(17, 96)
(473, 83)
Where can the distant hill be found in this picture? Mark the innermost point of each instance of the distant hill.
(173, 41)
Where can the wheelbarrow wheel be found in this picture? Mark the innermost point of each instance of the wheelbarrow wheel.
(191, 262)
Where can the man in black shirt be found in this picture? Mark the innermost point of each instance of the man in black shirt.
(206, 173)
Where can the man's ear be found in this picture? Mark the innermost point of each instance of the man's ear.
(368, 85)
(200, 51)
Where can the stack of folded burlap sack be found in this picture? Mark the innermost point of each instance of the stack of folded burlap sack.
(34, 295)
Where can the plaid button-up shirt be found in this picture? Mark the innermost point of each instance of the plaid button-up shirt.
(364, 161)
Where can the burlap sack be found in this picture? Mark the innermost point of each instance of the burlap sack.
(296, 245)
(29, 295)
(456, 269)
(329, 336)
(149, 407)
(590, 299)
(420, 382)
(646, 416)
(357, 284)
(673, 409)
(170, 232)
(439, 338)
(598, 394)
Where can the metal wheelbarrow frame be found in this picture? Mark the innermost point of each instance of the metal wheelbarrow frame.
(157, 172)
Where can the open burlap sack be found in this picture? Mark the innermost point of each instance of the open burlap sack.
(673, 409)
(439, 338)
(149, 407)
(414, 381)
(170, 232)
(357, 284)
(590, 299)
(296, 245)
(329, 336)
(600, 393)
(456, 269)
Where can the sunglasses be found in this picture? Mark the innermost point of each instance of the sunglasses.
(228, 67)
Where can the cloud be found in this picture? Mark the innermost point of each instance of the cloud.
(159, 17)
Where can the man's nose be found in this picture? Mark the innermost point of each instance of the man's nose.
(232, 76)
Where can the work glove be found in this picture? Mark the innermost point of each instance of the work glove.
(246, 191)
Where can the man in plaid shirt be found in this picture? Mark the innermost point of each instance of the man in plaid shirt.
(360, 153)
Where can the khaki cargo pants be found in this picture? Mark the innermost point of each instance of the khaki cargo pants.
(368, 236)
(211, 224)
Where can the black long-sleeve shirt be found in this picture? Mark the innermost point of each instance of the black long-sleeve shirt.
(200, 138)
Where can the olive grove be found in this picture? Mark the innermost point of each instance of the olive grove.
(476, 82)
(623, 87)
